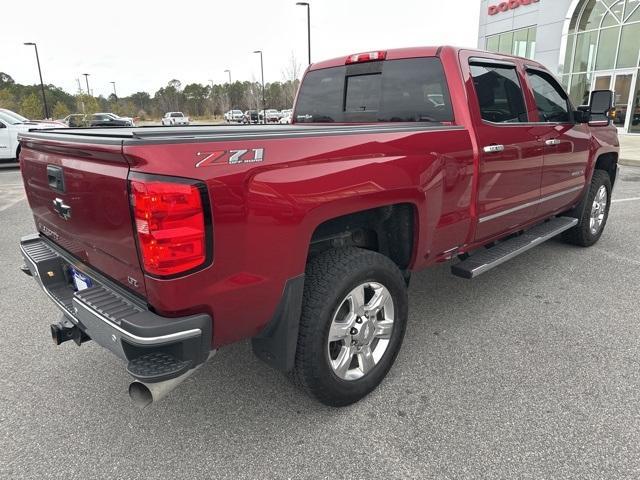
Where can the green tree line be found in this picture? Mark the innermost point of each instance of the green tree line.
(193, 99)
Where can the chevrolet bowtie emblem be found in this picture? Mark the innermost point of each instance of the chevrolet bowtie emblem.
(64, 211)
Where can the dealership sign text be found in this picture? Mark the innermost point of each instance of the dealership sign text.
(510, 5)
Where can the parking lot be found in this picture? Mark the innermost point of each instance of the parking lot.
(530, 371)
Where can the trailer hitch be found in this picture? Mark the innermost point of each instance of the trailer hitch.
(65, 330)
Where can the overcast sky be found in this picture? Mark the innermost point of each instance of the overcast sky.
(141, 45)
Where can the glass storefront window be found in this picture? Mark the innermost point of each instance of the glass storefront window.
(629, 48)
(531, 42)
(603, 52)
(585, 51)
(520, 42)
(616, 18)
(603, 82)
(609, 20)
(591, 16)
(633, 11)
(493, 42)
(634, 126)
(622, 90)
(607, 47)
(506, 43)
(566, 67)
(580, 87)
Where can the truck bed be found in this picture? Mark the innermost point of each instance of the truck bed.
(304, 170)
(140, 135)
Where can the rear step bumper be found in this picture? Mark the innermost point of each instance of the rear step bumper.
(156, 348)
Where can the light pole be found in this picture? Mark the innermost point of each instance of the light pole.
(264, 108)
(44, 97)
(306, 4)
(86, 78)
(114, 90)
(213, 112)
(229, 88)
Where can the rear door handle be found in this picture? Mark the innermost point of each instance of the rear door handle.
(493, 148)
(552, 142)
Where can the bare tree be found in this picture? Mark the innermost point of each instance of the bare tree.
(253, 95)
(291, 76)
(293, 69)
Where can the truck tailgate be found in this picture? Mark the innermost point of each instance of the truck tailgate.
(78, 194)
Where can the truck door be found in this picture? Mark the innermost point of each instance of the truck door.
(565, 143)
(511, 154)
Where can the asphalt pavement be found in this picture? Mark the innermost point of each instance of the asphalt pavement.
(529, 371)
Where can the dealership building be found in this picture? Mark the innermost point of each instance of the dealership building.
(588, 44)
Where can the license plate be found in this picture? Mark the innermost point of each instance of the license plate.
(80, 280)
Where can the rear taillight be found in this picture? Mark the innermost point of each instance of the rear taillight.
(366, 57)
(171, 225)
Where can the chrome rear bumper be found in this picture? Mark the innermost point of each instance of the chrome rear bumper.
(109, 315)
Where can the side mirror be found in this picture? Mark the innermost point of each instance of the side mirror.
(583, 114)
(600, 106)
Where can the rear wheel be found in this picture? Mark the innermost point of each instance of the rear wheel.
(594, 214)
(353, 321)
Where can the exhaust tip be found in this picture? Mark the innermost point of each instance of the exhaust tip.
(140, 395)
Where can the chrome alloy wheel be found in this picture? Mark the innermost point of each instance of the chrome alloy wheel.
(598, 210)
(360, 331)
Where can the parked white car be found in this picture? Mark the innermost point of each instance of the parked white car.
(286, 116)
(273, 116)
(235, 116)
(33, 123)
(11, 124)
(171, 119)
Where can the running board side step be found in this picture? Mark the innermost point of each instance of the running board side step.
(485, 260)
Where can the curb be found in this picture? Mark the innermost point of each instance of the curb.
(627, 162)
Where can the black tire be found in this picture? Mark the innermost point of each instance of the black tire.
(581, 234)
(330, 277)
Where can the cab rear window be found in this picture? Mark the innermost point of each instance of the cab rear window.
(408, 90)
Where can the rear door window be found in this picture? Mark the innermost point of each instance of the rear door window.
(499, 93)
(407, 90)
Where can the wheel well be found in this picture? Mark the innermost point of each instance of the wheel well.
(609, 163)
(18, 152)
(388, 230)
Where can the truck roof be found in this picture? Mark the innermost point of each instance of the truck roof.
(412, 52)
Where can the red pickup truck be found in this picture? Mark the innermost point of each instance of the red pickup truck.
(164, 245)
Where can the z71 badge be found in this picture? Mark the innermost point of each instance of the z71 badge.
(231, 157)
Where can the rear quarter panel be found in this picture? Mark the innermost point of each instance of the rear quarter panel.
(265, 213)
